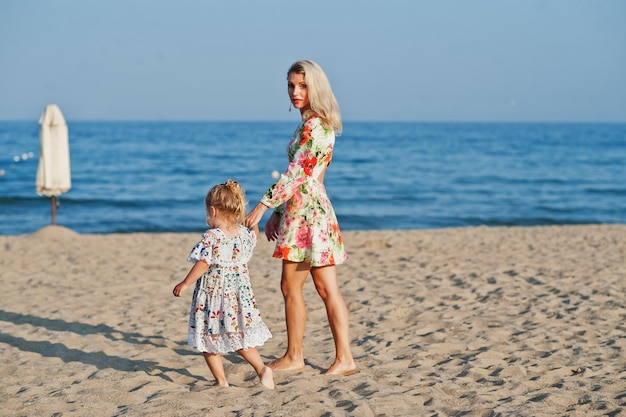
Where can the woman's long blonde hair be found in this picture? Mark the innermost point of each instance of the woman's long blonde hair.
(229, 198)
(323, 101)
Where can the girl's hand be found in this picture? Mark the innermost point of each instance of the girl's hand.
(271, 227)
(180, 288)
(193, 275)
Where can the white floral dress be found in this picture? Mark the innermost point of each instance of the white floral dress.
(224, 315)
(308, 230)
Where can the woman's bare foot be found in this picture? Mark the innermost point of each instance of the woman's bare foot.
(267, 378)
(342, 369)
(286, 364)
(221, 384)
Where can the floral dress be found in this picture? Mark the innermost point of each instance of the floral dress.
(224, 315)
(308, 228)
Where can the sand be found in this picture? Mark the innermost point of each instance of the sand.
(451, 322)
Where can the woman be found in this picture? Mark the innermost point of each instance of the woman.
(304, 224)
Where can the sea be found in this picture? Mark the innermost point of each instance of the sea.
(152, 176)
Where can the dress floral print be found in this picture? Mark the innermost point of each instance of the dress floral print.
(224, 315)
(308, 229)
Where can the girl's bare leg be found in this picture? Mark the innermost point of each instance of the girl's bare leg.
(264, 372)
(325, 279)
(214, 360)
(292, 281)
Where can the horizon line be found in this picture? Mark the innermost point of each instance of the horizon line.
(451, 121)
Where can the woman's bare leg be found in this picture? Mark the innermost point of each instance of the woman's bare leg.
(292, 281)
(265, 374)
(325, 279)
(214, 360)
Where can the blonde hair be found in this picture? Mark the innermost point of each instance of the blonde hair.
(323, 101)
(229, 198)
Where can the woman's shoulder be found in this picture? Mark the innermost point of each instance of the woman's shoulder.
(315, 123)
(311, 119)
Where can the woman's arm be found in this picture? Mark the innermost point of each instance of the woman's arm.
(255, 230)
(254, 217)
(313, 153)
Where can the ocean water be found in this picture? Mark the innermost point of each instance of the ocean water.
(153, 176)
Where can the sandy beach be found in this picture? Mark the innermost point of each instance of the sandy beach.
(471, 321)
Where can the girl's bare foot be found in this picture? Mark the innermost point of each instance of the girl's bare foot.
(286, 364)
(267, 378)
(221, 384)
(342, 369)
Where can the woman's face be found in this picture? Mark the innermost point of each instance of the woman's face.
(298, 92)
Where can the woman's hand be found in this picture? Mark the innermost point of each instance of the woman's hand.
(271, 227)
(254, 217)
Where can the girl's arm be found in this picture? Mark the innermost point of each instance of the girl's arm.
(197, 270)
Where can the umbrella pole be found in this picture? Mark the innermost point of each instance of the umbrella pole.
(53, 204)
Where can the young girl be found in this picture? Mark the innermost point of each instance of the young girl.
(224, 315)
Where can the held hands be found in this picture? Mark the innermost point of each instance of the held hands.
(254, 217)
(271, 227)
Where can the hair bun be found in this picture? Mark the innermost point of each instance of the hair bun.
(228, 197)
(232, 185)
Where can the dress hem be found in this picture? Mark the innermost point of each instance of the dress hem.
(313, 265)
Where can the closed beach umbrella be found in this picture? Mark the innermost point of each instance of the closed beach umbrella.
(53, 172)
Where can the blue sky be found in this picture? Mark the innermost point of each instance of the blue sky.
(414, 60)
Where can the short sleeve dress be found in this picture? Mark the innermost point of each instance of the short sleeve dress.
(224, 315)
(308, 230)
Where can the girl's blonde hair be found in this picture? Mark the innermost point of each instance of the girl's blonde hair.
(323, 101)
(229, 198)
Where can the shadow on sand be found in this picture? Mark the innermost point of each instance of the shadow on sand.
(98, 359)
